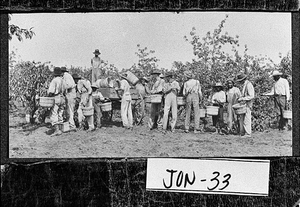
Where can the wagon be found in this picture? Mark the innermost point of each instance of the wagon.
(115, 98)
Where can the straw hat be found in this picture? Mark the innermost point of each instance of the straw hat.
(155, 72)
(240, 77)
(97, 52)
(76, 76)
(218, 84)
(162, 76)
(188, 74)
(57, 71)
(276, 73)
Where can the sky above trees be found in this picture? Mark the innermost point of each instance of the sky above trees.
(68, 39)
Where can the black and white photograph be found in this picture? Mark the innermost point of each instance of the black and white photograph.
(150, 84)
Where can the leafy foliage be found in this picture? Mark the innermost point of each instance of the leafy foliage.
(14, 30)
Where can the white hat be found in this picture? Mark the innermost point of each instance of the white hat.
(276, 72)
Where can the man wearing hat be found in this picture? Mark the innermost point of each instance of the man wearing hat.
(156, 107)
(97, 98)
(232, 95)
(96, 62)
(247, 97)
(70, 96)
(126, 110)
(218, 98)
(170, 90)
(281, 93)
(192, 92)
(57, 89)
(84, 90)
(142, 89)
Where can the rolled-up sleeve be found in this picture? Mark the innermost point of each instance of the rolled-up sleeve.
(250, 90)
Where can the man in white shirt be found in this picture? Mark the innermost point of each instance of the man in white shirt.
(170, 89)
(96, 63)
(192, 92)
(70, 96)
(281, 93)
(126, 110)
(247, 97)
(155, 107)
(57, 89)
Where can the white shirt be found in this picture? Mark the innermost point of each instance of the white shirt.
(158, 85)
(220, 96)
(281, 87)
(192, 86)
(56, 86)
(173, 85)
(68, 80)
(124, 85)
(84, 86)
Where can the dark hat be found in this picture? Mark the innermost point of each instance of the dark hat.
(276, 73)
(76, 76)
(230, 80)
(240, 77)
(155, 72)
(64, 69)
(188, 74)
(57, 71)
(145, 78)
(97, 52)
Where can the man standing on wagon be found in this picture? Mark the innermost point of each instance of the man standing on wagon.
(57, 89)
(281, 93)
(126, 110)
(192, 92)
(170, 89)
(155, 107)
(70, 96)
(85, 91)
(96, 62)
(247, 97)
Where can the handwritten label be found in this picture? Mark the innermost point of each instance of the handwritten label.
(212, 176)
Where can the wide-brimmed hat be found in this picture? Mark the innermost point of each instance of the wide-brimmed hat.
(230, 80)
(218, 84)
(162, 75)
(240, 77)
(57, 71)
(94, 85)
(76, 76)
(64, 69)
(169, 74)
(123, 75)
(97, 52)
(155, 72)
(276, 73)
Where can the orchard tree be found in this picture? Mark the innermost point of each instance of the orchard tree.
(15, 30)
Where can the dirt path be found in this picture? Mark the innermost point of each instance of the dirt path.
(29, 141)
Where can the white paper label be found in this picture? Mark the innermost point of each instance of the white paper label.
(213, 176)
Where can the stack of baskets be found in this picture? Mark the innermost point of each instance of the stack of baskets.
(88, 111)
(212, 110)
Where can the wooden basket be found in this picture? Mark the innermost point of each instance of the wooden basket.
(46, 102)
(202, 113)
(180, 101)
(106, 106)
(132, 78)
(287, 114)
(239, 109)
(212, 110)
(156, 98)
(88, 111)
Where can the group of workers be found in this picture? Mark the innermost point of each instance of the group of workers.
(67, 88)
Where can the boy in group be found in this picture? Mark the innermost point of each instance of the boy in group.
(57, 90)
(85, 92)
(170, 89)
(218, 98)
(97, 98)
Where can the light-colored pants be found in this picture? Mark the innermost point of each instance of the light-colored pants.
(57, 111)
(154, 114)
(70, 107)
(232, 117)
(96, 74)
(126, 113)
(245, 122)
(170, 102)
(85, 101)
(97, 113)
(192, 99)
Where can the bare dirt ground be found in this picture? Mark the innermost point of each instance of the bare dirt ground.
(32, 141)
